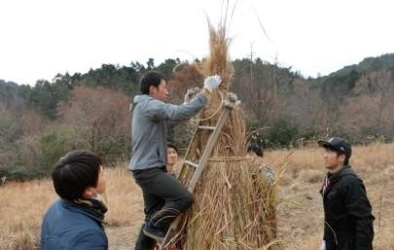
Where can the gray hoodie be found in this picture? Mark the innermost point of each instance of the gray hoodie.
(150, 120)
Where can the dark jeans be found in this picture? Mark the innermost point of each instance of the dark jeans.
(164, 199)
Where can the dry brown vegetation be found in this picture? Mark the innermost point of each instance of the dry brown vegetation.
(235, 210)
(299, 210)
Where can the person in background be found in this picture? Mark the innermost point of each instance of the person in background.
(164, 197)
(255, 157)
(348, 219)
(75, 220)
(264, 183)
(172, 159)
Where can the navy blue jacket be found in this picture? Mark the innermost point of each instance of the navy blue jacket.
(68, 227)
(347, 213)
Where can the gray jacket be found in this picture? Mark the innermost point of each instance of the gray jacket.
(150, 121)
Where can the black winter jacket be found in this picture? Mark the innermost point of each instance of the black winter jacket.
(347, 212)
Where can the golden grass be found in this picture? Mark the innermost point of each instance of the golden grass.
(234, 206)
(231, 207)
(218, 61)
(21, 211)
(300, 212)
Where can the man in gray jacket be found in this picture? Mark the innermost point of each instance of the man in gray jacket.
(164, 197)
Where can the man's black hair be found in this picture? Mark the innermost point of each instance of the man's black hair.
(75, 172)
(255, 149)
(152, 78)
(170, 145)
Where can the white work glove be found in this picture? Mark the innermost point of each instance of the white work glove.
(323, 245)
(212, 82)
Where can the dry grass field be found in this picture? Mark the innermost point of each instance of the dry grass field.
(300, 215)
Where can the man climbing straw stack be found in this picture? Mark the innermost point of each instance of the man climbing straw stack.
(164, 197)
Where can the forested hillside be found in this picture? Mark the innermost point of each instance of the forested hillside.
(283, 109)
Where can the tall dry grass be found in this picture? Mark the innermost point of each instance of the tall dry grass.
(300, 215)
(21, 209)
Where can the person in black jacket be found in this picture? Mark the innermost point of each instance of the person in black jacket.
(348, 215)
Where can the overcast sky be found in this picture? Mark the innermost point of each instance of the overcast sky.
(40, 38)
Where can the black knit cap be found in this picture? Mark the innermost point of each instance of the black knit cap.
(338, 144)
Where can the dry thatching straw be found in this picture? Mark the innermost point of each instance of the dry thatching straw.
(234, 207)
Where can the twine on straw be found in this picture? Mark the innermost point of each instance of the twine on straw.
(216, 111)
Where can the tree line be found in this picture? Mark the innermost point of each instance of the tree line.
(283, 109)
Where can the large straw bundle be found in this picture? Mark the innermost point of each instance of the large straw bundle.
(233, 207)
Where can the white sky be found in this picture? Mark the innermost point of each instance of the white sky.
(40, 38)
